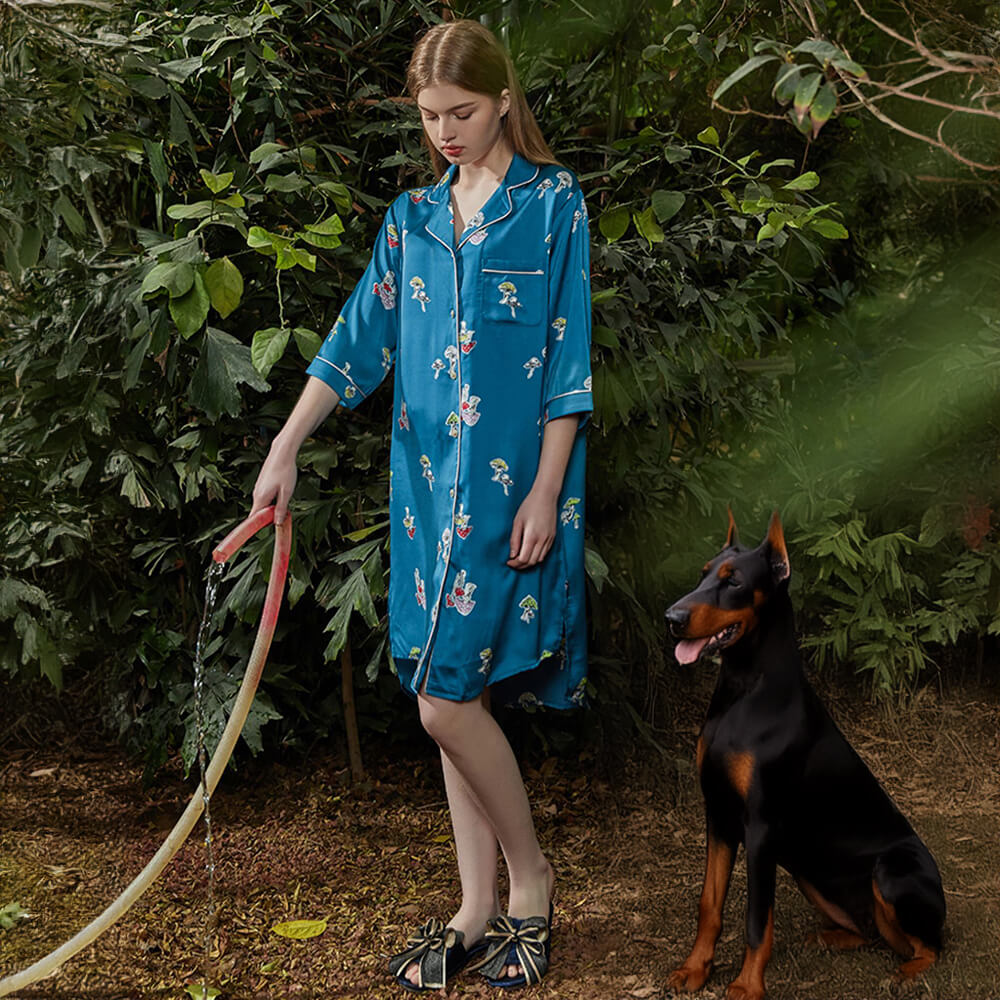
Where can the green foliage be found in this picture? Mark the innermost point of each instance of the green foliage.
(187, 194)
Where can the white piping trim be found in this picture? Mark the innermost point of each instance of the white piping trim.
(342, 372)
(572, 392)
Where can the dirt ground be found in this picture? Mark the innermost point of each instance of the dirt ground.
(296, 842)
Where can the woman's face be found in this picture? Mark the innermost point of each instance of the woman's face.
(463, 125)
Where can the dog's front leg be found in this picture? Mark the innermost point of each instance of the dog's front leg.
(718, 868)
(761, 871)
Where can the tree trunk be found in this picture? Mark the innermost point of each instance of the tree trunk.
(350, 715)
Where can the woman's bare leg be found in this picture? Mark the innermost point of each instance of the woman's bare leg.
(476, 747)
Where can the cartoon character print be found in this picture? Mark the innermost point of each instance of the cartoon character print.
(579, 696)
(460, 597)
(508, 297)
(469, 407)
(392, 236)
(559, 325)
(350, 392)
(570, 514)
(528, 608)
(476, 221)
(486, 660)
(427, 473)
(404, 417)
(565, 179)
(501, 475)
(437, 366)
(421, 595)
(418, 195)
(414, 652)
(386, 359)
(463, 522)
(531, 364)
(444, 544)
(478, 236)
(386, 290)
(410, 523)
(588, 383)
(577, 216)
(451, 353)
(451, 422)
(417, 284)
(544, 186)
(465, 341)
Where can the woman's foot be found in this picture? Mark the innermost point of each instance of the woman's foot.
(530, 899)
(473, 928)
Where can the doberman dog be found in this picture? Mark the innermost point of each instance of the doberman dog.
(779, 777)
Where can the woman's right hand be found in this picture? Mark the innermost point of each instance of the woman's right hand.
(275, 482)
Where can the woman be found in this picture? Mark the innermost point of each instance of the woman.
(478, 294)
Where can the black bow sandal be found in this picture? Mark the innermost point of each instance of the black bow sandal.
(516, 941)
(439, 953)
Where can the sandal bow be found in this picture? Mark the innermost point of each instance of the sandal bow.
(514, 941)
(430, 948)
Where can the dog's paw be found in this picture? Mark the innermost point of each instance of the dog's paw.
(744, 991)
(689, 977)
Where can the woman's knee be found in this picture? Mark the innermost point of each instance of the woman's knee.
(444, 721)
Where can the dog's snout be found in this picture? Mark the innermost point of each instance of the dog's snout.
(677, 618)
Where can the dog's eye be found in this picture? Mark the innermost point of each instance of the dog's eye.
(733, 581)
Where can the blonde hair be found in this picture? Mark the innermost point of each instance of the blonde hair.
(467, 55)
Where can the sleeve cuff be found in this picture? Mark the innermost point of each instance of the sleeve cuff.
(579, 401)
(336, 378)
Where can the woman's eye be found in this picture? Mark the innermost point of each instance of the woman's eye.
(462, 118)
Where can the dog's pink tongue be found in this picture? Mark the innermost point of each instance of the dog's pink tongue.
(688, 650)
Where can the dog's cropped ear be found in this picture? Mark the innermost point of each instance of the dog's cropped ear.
(732, 536)
(777, 553)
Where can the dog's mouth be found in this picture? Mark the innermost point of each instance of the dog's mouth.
(688, 650)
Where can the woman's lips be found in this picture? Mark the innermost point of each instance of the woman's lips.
(452, 150)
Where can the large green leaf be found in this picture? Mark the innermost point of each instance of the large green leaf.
(268, 347)
(648, 227)
(225, 285)
(666, 204)
(190, 310)
(748, 67)
(176, 277)
(223, 366)
(613, 223)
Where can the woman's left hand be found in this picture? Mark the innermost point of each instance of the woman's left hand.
(534, 530)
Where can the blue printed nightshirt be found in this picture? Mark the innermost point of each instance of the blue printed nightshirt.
(489, 334)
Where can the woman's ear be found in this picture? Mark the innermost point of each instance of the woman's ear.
(504, 102)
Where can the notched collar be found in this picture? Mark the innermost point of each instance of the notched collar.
(498, 206)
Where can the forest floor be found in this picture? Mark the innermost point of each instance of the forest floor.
(298, 842)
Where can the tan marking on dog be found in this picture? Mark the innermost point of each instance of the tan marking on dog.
(830, 910)
(725, 571)
(920, 955)
(740, 768)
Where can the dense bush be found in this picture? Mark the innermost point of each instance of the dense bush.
(188, 191)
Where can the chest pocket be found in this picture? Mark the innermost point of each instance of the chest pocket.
(513, 292)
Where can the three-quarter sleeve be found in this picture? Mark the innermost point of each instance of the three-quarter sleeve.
(567, 365)
(361, 348)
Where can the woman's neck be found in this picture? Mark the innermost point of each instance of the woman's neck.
(488, 171)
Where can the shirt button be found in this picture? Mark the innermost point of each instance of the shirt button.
(453, 314)
(451, 494)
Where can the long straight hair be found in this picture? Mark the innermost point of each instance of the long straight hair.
(467, 55)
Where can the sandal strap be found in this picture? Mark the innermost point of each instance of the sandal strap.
(430, 947)
(515, 941)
